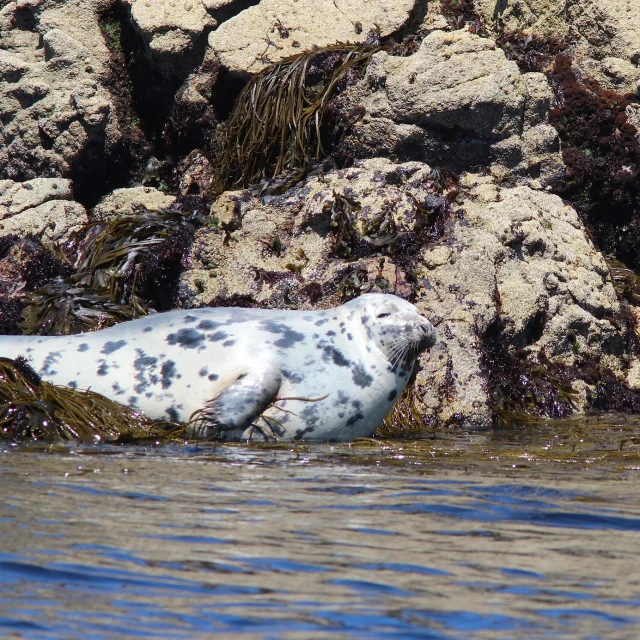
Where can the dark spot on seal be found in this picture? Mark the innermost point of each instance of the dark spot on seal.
(111, 346)
(228, 343)
(353, 419)
(343, 398)
(103, 369)
(172, 414)
(118, 389)
(133, 401)
(361, 377)
(330, 333)
(392, 395)
(189, 318)
(141, 364)
(331, 353)
(342, 324)
(213, 376)
(364, 319)
(217, 336)
(319, 323)
(186, 338)
(349, 336)
(52, 358)
(167, 372)
(356, 404)
(147, 329)
(83, 347)
(73, 384)
(203, 372)
(289, 336)
(301, 432)
(291, 376)
(207, 325)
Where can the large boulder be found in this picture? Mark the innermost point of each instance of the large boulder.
(57, 116)
(40, 208)
(172, 31)
(513, 258)
(605, 34)
(275, 29)
(457, 101)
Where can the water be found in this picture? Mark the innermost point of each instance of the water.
(522, 533)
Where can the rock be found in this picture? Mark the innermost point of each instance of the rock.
(15, 197)
(58, 117)
(275, 29)
(42, 208)
(520, 258)
(512, 258)
(604, 33)
(123, 202)
(456, 101)
(172, 31)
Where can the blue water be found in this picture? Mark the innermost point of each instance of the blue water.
(339, 542)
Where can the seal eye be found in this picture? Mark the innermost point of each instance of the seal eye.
(383, 315)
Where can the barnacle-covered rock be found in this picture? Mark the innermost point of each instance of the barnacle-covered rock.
(42, 207)
(605, 34)
(275, 29)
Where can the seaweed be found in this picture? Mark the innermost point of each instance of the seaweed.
(36, 410)
(122, 270)
(404, 418)
(343, 221)
(625, 281)
(273, 134)
(521, 390)
(601, 151)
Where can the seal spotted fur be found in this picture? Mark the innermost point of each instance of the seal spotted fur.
(247, 373)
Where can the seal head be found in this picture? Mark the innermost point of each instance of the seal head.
(395, 326)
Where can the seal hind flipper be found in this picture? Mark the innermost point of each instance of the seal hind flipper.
(235, 408)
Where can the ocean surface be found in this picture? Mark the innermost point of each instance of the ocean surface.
(524, 532)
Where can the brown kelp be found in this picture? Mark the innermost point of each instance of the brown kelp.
(625, 281)
(273, 134)
(31, 409)
(121, 270)
(404, 418)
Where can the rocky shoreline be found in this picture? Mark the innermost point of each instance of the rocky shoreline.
(484, 163)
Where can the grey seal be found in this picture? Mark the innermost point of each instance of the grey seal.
(242, 374)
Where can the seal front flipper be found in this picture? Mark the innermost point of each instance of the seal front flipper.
(236, 407)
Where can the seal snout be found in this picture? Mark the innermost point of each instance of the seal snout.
(428, 335)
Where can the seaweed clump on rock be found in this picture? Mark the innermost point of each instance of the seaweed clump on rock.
(31, 409)
(522, 390)
(601, 150)
(121, 270)
(273, 135)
